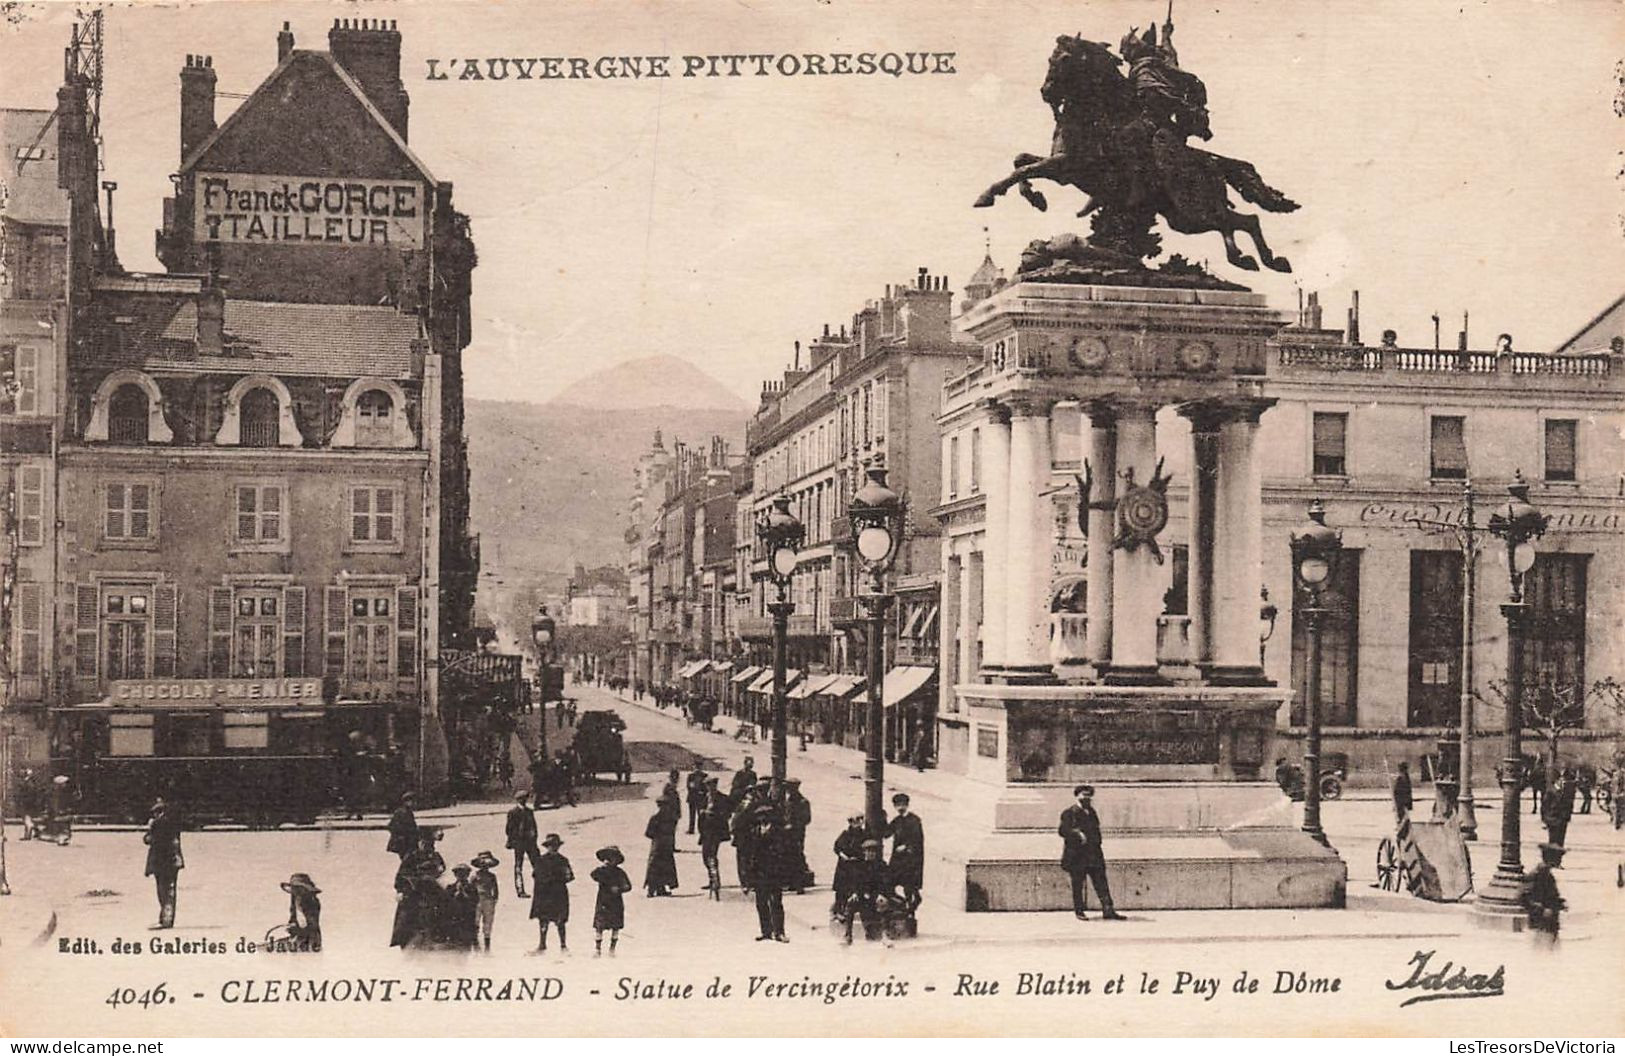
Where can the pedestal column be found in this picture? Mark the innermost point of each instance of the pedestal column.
(1098, 533)
(996, 471)
(1203, 486)
(1028, 543)
(1136, 578)
(1238, 547)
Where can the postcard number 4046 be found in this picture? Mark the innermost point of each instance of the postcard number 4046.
(148, 998)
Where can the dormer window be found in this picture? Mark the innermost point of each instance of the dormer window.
(127, 416)
(260, 423)
(375, 425)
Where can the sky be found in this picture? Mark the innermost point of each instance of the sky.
(1448, 157)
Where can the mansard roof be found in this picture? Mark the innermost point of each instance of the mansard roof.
(286, 339)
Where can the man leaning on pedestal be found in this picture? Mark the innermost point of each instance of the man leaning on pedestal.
(1082, 856)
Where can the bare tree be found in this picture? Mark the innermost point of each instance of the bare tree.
(1552, 707)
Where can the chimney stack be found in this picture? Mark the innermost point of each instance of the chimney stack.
(284, 44)
(369, 50)
(197, 102)
(1354, 320)
(211, 309)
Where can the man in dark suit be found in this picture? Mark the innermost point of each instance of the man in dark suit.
(907, 850)
(1402, 791)
(164, 860)
(403, 828)
(522, 840)
(1082, 856)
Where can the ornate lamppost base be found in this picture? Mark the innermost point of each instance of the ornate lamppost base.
(1500, 905)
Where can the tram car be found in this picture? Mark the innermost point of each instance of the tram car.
(255, 761)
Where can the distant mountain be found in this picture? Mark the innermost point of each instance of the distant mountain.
(551, 482)
(656, 381)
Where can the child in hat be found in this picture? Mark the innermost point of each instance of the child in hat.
(302, 892)
(485, 887)
(462, 909)
(551, 902)
(609, 914)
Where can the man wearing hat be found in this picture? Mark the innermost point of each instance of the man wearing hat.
(696, 797)
(485, 886)
(907, 850)
(713, 834)
(551, 902)
(522, 840)
(848, 858)
(1082, 856)
(164, 860)
(403, 828)
(772, 867)
(798, 815)
(302, 892)
(1541, 900)
(743, 781)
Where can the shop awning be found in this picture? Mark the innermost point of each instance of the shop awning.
(810, 685)
(746, 676)
(841, 686)
(902, 683)
(692, 668)
(764, 684)
(722, 668)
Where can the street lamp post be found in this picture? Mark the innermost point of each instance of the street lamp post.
(1519, 524)
(1314, 548)
(876, 513)
(542, 629)
(781, 534)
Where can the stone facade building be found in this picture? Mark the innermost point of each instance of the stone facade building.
(262, 472)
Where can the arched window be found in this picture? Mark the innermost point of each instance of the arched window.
(375, 414)
(127, 415)
(259, 418)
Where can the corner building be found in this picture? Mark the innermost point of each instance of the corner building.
(263, 470)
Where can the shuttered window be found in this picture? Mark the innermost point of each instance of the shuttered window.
(373, 513)
(261, 510)
(1448, 451)
(1331, 444)
(30, 505)
(30, 601)
(1560, 448)
(127, 511)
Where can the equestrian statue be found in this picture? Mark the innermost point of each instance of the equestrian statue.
(1122, 139)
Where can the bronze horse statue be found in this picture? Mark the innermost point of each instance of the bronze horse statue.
(1135, 165)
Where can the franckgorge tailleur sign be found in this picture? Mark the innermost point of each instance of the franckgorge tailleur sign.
(308, 210)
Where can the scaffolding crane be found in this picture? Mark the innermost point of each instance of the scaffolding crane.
(81, 62)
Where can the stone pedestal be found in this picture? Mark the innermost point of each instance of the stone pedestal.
(1177, 730)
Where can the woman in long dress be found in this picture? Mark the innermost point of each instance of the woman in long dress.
(660, 878)
(418, 895)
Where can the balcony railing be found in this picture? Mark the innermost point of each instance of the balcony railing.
(1438, 361)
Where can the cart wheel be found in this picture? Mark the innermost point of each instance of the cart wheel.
(1388, 870)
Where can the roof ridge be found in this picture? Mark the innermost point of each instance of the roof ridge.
(344, 77)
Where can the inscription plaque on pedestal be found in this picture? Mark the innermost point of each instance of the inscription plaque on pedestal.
(1128, 737)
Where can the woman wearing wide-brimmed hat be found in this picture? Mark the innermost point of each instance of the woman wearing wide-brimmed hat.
(551, 903)
(609, 913)
(302, 892)
(418, 897)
